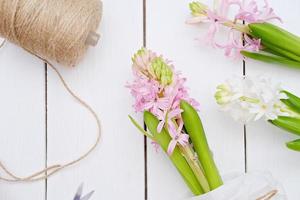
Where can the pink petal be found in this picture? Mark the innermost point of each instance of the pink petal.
(183, 139)
(171, 147)
(163, 103)
(160, 114)
(172, 130)
(180, 126)
(156, 146)
(160, 126)
(174, 113)
(210, 35)
(148, 105)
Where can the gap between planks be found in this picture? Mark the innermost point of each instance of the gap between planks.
(245, 127)
(145, 138)
(46, 128)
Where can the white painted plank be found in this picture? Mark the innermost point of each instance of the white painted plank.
(116, 169)
(204, 68)
(266, 143)
(22, 128)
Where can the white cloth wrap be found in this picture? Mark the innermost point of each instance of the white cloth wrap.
(250, 186)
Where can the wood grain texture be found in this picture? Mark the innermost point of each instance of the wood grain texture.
(116, 169)
(266, 143)
(204, 68)
(22, 127)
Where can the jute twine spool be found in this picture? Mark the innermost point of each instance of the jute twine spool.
(59, 30)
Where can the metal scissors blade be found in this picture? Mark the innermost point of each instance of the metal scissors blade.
(79, 194)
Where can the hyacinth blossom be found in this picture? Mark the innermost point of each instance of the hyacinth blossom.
(249, 32)
(160, 93)
(250, 99)
(157, 88)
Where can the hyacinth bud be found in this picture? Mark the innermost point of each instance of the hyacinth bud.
(142, 60)
(197, 8)
(223, 94)
(161, 71)
(141, 52)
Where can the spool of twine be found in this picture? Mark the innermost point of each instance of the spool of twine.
(59, 30)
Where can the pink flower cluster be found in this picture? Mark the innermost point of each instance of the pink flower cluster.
(248, 12)
(158, 88)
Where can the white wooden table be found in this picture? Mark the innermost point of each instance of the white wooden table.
(42, 125)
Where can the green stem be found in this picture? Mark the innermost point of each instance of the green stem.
(250, 100)
(193, 162)
(239, 27)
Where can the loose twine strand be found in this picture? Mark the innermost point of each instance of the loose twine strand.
(269, 195)
(53, 169)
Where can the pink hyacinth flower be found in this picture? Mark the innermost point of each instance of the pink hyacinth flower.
(166, 118)
(233, 46)
(252, 44)
(250, 13)
(156, 146)
(215, 21)
(177, 137)
(156, 104)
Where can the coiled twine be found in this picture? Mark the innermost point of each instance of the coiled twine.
(52, 29)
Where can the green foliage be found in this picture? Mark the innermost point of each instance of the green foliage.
(194, 128)
(163, 139)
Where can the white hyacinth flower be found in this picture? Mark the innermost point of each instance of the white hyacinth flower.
(248, 99)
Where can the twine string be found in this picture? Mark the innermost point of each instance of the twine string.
(53, 169)
(269, 195)
(2, 43)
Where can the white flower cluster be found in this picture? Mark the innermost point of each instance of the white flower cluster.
(249, 99)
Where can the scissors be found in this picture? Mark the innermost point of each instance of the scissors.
(79, 194)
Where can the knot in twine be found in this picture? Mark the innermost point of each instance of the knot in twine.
(52, 29)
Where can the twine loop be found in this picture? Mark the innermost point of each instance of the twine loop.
(53, 169)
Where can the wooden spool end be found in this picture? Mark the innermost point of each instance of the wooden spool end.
(92, 39)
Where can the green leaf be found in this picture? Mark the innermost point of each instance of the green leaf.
(136, 124)
(292, 102)
(276, 36)
(271, 59)
(163, 139)
(281, 52)
(193, 125)
(288, 123)
(294, 145)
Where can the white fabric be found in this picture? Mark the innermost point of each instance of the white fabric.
(250, 186)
